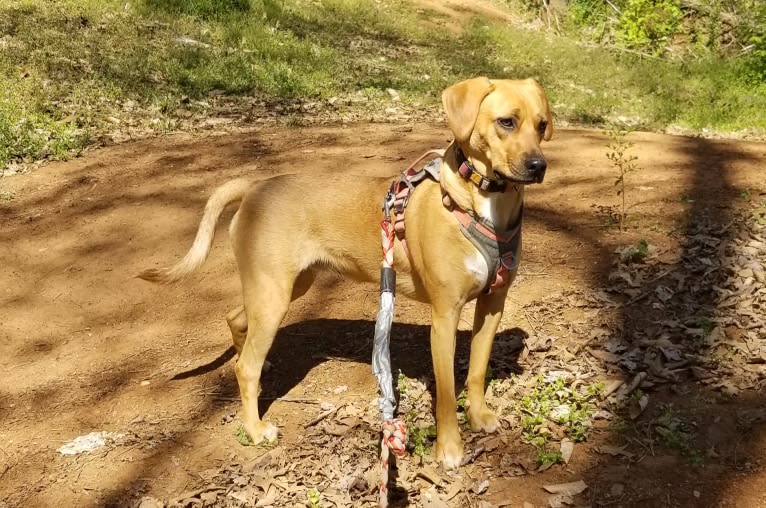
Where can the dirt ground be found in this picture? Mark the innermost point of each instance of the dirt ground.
(87, 347)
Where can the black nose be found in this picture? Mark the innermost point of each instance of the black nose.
(535, 165)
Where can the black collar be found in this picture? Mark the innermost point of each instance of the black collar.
(469, 173)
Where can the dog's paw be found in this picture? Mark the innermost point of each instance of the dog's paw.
(262, 431)
(483, 420)
(450, 454)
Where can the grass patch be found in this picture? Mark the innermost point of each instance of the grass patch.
(73, 69)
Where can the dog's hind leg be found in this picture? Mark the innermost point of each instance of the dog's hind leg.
(267, 297)
(237, 321)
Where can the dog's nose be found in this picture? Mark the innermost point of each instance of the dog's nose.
(536, 167)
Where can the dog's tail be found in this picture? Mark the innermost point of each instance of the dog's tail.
(224, 195)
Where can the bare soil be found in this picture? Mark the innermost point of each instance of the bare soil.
(85, 346)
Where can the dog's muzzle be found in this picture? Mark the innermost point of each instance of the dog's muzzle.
(534, 172)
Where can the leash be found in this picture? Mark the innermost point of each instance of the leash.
(394, 429)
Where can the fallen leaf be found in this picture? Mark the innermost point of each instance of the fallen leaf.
(567, 448)
(569, 489)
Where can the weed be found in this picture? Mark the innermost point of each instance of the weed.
(313, 498)
(676, 433)
(624, 164)
(744, 194)
(242, 437)
(419, 438)
(636, 254)
(461, 400)
(546, 458)
(7, 195)
(759, 214)
(557, 403)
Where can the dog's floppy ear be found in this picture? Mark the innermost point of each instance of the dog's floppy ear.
(548, 134)
(461, 103)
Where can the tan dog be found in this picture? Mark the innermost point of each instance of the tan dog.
(281, 240)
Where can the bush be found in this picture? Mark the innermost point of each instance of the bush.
(649, 24)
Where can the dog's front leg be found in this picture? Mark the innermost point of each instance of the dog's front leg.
(449, 446)
(489, 310)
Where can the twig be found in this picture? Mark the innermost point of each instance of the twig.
(297, 400)
(530, 321)
(322, 416)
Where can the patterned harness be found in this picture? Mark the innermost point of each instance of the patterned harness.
(500, 251)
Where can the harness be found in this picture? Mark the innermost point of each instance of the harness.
(500, 251)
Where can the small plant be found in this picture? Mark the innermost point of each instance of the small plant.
(402, 384)
(759, 214)
(420, 439)
(461, 400)
(636, 254)
(553, 401)
(546, 458)
(744, 194)
(676, 433)
(7, 195)
(617, 153)
(313, 498)
(242, 437)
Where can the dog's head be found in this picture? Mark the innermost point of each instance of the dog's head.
(499, 125)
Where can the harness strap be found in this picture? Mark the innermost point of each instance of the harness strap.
(501, 252)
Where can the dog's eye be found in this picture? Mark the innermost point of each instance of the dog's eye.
(507, 123)
(543, 125)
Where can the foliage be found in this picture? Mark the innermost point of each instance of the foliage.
(649, 24)
(554, 401)
(242, 437)
(313, 498)
(636, 254)
(72, 70)
(420, 438)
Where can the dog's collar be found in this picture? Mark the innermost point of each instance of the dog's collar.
(469, 173)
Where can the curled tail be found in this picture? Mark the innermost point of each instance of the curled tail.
(224, 195)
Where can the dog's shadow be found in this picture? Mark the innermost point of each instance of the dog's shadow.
(300, 347)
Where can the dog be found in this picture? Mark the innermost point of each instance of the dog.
(281, 240)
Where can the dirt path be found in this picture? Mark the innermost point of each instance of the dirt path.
(86, 347)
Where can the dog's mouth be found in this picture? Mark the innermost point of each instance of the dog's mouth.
(526, 179)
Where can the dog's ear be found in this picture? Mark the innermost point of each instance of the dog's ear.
(461, 103)
(548, 134)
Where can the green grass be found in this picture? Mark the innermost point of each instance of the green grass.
(71, 70)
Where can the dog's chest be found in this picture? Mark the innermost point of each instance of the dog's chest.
(477, 265)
